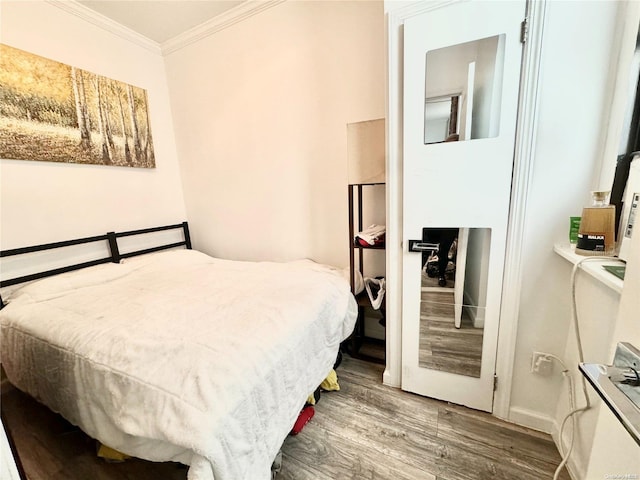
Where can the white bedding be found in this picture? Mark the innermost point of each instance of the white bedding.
(180, 356)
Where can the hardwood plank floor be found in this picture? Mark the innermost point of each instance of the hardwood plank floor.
(384, 433)
(364, 431)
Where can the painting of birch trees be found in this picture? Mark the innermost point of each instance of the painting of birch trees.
(54, 112)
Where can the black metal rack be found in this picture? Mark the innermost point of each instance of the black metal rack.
(359, 338)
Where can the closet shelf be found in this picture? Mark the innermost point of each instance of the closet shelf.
(380, 246)
(358, 342)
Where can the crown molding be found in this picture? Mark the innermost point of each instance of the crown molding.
(91, 16)
(220, 22)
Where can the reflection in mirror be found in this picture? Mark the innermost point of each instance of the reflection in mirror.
(472, 73)
(453, 299)
(441, 118)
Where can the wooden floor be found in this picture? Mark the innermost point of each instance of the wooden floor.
(370, 431)
(364, 431)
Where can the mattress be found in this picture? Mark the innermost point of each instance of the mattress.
(180, 356)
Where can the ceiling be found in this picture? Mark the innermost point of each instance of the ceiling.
(160, 20)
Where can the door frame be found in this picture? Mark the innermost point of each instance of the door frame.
(522, 173)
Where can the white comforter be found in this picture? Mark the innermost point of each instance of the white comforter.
(180, 356)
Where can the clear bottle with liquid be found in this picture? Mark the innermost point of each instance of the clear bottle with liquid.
(596, 235)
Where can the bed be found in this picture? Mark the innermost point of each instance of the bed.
(168, 354)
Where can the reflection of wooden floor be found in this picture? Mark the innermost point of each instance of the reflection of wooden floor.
(443, 346)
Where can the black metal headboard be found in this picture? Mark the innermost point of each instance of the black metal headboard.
(115, 255)
(115, 251)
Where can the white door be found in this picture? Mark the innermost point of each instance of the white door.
(457, 186)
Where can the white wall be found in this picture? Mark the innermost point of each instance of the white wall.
(476, 273)
(573, 94)
(44, 201)
(261, 110)
(487, 88)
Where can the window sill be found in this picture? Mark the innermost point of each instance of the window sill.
(592, 267)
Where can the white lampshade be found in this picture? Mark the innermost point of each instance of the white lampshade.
(366, 152)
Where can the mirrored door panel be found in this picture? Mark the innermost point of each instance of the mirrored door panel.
(463, 90)
(453, 283)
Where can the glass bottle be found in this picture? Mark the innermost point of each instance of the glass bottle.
(596, 235)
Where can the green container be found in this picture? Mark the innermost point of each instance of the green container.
(574, 226)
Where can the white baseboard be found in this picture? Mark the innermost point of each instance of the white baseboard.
(389, 379)
(543, 423)
(530, 419)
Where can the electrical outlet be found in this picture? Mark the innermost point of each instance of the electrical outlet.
(541, 363)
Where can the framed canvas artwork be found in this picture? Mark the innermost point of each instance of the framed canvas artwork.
(50, 111)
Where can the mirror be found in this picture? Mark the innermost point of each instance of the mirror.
(463, 90)
(441, 118)
(453, 282)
